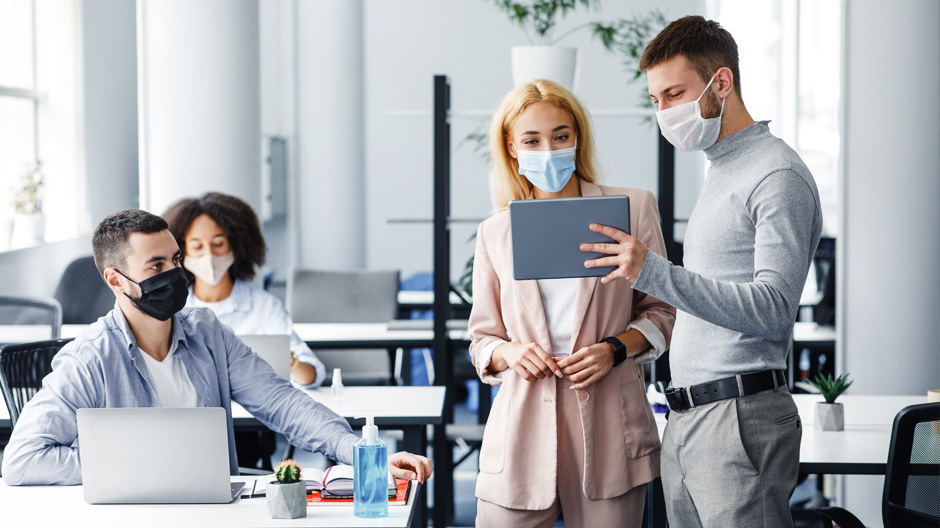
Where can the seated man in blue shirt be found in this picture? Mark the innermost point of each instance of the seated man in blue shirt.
(149, 351)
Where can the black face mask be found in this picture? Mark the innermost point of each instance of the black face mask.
(161, 296)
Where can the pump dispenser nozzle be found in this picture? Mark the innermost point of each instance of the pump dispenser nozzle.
(369, 430)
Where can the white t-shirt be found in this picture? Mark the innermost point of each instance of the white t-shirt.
(171, 383)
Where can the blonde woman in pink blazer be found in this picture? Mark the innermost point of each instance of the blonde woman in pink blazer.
(570, 430)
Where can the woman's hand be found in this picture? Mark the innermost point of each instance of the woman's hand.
(588, 365)
(303, 373)
(528, 360)
(404, 465)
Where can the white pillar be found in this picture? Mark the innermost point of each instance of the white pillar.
(331, 139)
(109, 39)
(199, 102)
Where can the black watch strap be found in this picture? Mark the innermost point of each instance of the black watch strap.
(620, 350)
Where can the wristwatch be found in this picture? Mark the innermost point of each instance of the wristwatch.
(620, 350)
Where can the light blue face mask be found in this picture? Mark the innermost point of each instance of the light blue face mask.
(549, 170)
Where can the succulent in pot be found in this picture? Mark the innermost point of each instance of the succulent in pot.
(287, 496)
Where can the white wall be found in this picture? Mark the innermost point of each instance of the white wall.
(891, 289)
(889, 305)
(35, 271)
(199, 100)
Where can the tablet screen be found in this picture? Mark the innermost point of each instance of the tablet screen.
(547, 234)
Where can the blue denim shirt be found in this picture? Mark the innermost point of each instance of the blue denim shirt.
(103, 367)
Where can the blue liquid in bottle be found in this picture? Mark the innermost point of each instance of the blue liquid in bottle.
(370, 474)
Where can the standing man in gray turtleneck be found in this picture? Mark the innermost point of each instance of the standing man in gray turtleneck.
(732, 442)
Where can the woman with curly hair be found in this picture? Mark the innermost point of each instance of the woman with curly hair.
(222, 245)
(221, 242)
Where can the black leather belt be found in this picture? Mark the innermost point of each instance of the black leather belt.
(686, 398)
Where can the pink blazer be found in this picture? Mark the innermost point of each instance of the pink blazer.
(518, 459)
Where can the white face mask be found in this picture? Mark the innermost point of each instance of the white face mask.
(686, 129)
(210, 268)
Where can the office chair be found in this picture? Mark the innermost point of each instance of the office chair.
(912, 479)
(31, 311)
(82, 292)
(22, 368)
(315, 296)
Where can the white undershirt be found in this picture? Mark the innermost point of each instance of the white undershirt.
(171, 383)
(558, 302)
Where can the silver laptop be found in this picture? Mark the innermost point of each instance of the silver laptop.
(275, 349)
(155, 455)
(547, 234)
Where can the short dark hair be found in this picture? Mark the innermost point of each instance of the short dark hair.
(109, 243)
(704, 43)
(237, 220)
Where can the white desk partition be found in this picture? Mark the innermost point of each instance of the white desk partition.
(65, 506)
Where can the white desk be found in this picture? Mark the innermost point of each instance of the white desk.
(861, 449)
(422, 298)
(323, 335)
(812, 333)
(369, 335)
(391, 405)
(24, 333)
(64, 506)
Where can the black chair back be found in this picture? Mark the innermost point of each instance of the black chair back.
(912, 480)
(22, 368)
(82, 293)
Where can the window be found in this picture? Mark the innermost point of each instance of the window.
(39, 112)
(790, 55)
(18, 98)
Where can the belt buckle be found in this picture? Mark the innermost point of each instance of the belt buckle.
(674, 397)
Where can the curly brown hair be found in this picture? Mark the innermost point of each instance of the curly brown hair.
(238, 222)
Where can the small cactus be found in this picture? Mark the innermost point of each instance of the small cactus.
(288, 471)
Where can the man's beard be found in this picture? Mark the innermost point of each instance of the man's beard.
(710, 105)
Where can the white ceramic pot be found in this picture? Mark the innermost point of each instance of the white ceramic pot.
(830, 416)
(287, 501)
(555, 63)
(28, 229)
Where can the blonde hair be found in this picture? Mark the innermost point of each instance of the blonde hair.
(510, 185)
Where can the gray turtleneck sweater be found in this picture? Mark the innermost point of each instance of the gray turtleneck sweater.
(748, 247)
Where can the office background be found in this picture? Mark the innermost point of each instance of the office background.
(159, 100)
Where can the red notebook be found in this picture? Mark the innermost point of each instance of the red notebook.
(401, 495)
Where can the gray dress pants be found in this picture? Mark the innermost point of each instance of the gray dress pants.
(733, 462)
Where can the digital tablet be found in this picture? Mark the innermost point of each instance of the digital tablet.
(547, 234)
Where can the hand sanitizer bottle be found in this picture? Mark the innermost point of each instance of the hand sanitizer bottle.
(337, 385)
(370, 473)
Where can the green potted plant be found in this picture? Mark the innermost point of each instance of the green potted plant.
(29, 224)
(287, 496)
(830, 416)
